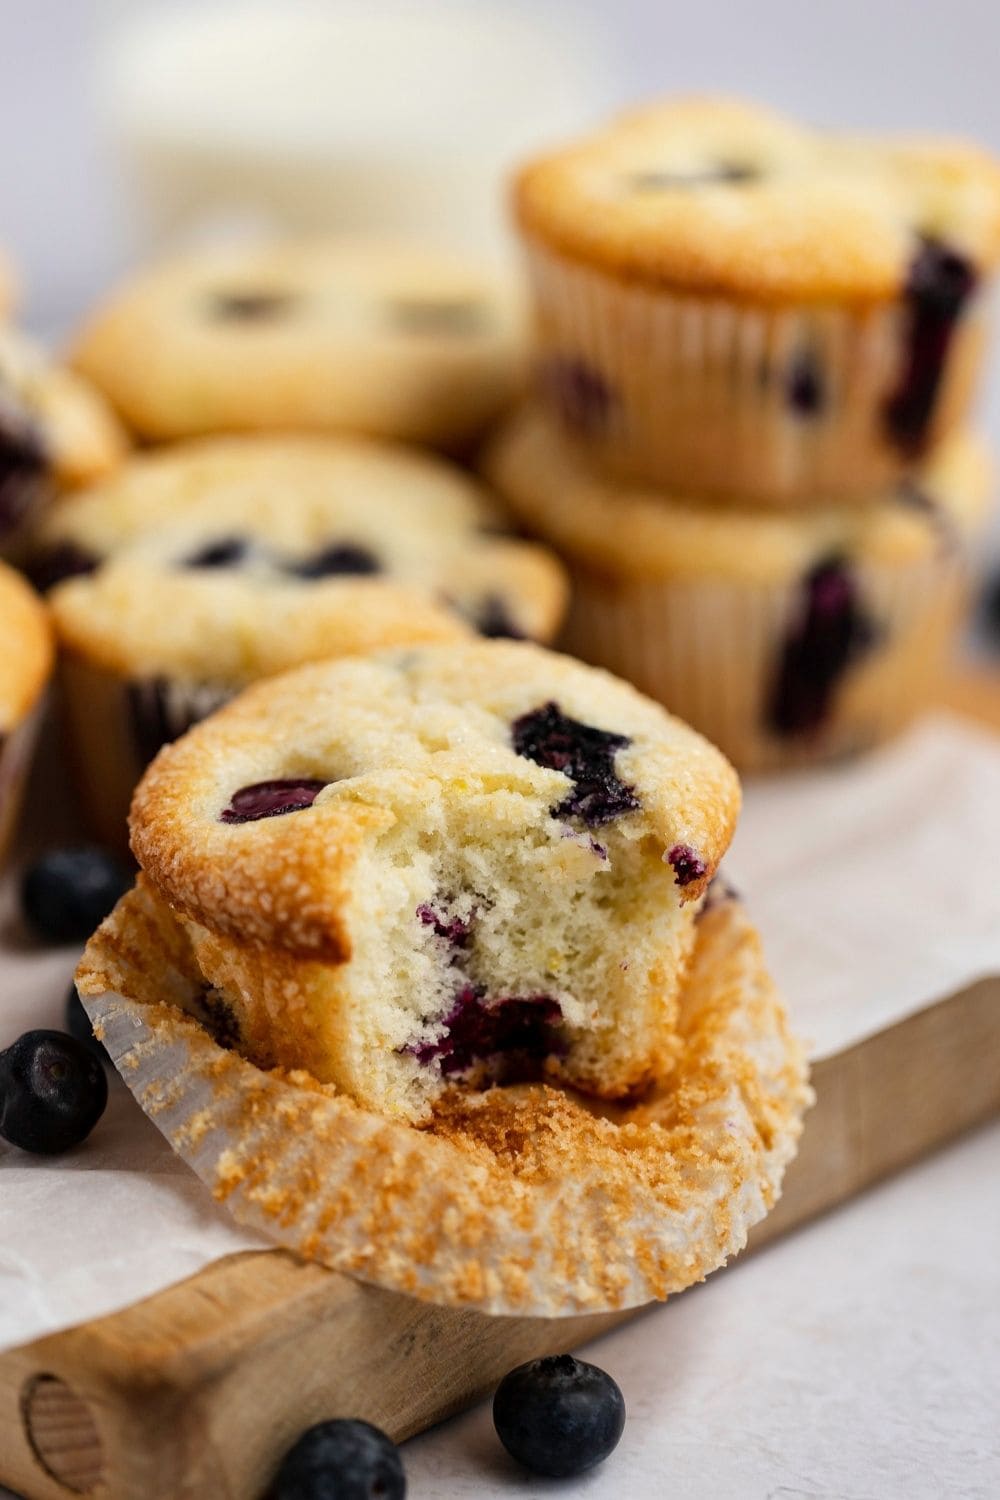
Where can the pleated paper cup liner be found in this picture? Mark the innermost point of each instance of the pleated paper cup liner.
(756, 403)
(520, 1200)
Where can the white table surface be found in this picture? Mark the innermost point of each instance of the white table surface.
(857, 1359)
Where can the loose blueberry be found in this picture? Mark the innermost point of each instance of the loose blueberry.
(69, 892)
(558, 1416)
(720, 174)
(338, 558)
(828, 634)
(225, 552)
(580, 395)
(341, 1460)
(52, 1092)
(78, 1025)
(687, 865)
(459, 316)
(494, 620)
(271, 799)
(938, 286)
(804, 389)
(585, 754)
(57, 563)
(520, 1032)
(250, 307)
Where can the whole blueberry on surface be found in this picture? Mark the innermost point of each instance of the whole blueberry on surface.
(558, 1415)
(52, 1092)
(340, 1460)
(78, 1024)
(69, 892)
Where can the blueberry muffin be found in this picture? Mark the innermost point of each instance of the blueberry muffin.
(378, 339)
(55, 433)
(786, 638)
(527, 1199)
(441, 868)
(197, 569)
(25, 665)
(731, 305)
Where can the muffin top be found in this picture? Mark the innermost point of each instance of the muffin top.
(714, 196)
(25, 648)
(256, 822)
(377, 338)
(227, 558)
(642, 533)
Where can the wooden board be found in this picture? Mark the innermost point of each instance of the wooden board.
(196, 1392)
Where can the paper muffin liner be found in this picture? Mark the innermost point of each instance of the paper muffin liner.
(764, 404)
(16, 750)
(116, 726)
(711, 650)
(515, 1201)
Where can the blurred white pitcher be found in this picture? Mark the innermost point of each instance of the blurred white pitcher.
(370, 115)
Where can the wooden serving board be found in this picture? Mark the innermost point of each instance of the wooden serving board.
(197, 1391)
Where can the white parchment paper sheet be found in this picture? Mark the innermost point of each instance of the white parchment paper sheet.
(874, 885)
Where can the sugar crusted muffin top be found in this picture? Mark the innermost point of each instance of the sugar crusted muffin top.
(226, 558)
(712, 196)
(253, 825)
(25, 648)
(381, 338)
(643, 533)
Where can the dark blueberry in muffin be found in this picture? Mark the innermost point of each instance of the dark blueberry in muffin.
(830, 632)
(78, 1024)
(938, 287)
(522, 1032)
(55, 564)
(687, 864)
(67, 893)
(24, 465)
(713, 174)
(579, 394)
(558, 1415)
(340, 1460)
(585, 754)
(339, 558)
(804, 389)
(453, 929)
(225, 552)
(494, 620)
(52, 1092)
(217, 1016)
(271, 799)
(452, 316)
(250, 306)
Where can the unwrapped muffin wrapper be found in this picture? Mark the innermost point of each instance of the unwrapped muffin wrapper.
(692, 393)
(520, 1201)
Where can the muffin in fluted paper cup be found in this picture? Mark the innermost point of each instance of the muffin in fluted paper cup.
(25, 665)
(734, 305)
(786, 639)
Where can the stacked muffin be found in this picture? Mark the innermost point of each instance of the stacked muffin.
(757, 346)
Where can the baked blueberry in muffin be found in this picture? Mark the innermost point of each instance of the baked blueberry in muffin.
(199, 569)
(399, 887)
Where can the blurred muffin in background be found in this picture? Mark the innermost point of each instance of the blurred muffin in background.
(378, 339)
(25, 665)
(200, 568)
(787, 639)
